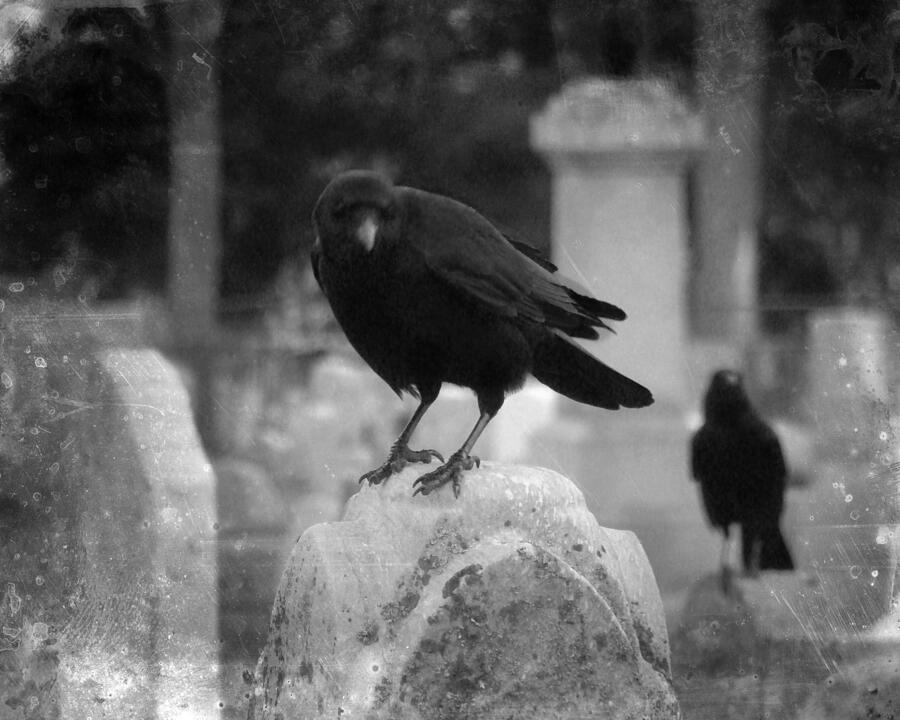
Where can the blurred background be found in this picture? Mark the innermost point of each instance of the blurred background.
(728, 173)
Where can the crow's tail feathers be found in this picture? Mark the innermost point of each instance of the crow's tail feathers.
(773, 552)
(565, 367)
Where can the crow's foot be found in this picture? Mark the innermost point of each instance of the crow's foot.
(448, 472)
(400, 457)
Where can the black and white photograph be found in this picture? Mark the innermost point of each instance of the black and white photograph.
(449, 359)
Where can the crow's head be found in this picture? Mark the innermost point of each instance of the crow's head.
(726, 396)
(356, 211)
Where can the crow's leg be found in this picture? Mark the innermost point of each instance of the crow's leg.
(751, 548)
(725, 562)
(400, 454)
(461, 459)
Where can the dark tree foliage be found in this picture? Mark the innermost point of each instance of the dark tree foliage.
(833, 165)
(83, 137)
(438, 94)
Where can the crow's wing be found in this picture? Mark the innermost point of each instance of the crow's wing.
(769, 458)
(465, 250)
(532, 253)
(704, 455)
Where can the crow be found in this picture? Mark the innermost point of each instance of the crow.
(428, 291)
(736, 457)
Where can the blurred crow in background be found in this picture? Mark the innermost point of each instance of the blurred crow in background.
(737, 459)
(428, 291)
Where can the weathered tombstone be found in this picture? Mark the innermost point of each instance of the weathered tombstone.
(107, 527)
(510, 601)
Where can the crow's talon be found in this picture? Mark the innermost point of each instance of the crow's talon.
(399, 458)
(378, 475)
(422, 456)
(449, 472)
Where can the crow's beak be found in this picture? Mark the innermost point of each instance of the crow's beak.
(366, 232)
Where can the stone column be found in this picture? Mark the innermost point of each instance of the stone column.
(619, 151)
(731, 58)
(194, 214)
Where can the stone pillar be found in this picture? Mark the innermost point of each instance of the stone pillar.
(619, 150)
(195, 208)
(729, 186)
(510, 601)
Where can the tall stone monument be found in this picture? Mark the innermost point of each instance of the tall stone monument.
(619, 152)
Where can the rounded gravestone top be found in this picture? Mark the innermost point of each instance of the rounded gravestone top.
(608, 116)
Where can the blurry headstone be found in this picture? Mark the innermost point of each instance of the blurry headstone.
(778, 647)
(107, 523)
(756, 652)
(510, 601)
(619, 151)
(849, 351)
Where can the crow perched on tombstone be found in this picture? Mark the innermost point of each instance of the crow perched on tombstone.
(428, 291)
(737, 459)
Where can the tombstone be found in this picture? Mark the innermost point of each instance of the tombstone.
(509, 601)
(849, 352)
(619, 151)
(108, 525)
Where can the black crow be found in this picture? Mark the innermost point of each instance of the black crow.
(737, 459)
(428, 291)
